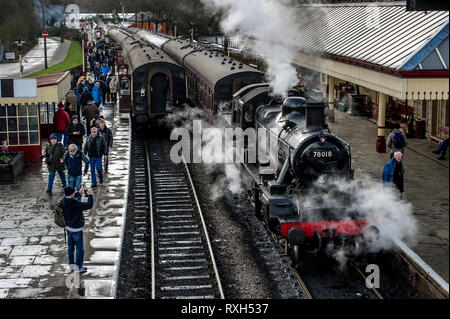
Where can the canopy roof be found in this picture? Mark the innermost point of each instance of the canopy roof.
(380, 33)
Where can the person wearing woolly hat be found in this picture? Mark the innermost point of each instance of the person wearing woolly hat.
(53, 158)
(76, 131)
(73, 208)
(61, 120)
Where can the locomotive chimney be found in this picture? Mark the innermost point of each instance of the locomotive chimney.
(315, 114)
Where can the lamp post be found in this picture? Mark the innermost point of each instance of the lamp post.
(122, 3)
(19, 43)
(43, 30)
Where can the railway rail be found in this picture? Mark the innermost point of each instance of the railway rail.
(183, 264)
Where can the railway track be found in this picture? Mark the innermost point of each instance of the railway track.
(182, 261)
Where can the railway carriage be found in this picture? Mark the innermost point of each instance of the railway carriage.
(157, 81)
(211, 77)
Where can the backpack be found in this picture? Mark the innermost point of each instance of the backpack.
(58, 216)
(398, 141)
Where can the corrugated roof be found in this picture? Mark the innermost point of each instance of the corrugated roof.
(383, 33)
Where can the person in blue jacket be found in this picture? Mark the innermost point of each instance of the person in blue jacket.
(105, 69)
(73, 160)
(393, 172)
(73, 208)
(97, 94)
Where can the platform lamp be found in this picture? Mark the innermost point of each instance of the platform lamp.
(19, 43)
(44, 30)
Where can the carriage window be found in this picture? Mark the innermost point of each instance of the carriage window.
(124, 87)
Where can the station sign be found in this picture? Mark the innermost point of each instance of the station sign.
(10, 56)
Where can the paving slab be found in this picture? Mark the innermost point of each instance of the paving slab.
(33, 253)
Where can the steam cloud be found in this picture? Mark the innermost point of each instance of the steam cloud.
(269, 23)
(228, 177)
(53, 13)
(373, 201)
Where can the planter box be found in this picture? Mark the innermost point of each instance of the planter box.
(9, 172)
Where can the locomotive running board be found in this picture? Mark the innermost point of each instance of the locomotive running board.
(427, 280)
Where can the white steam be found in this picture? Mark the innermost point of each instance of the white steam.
(212, 152)
(380, 205)
(269, 23)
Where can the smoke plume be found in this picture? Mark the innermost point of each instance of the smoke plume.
(269, 23)
(53, 13)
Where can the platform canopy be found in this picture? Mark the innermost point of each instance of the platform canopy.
(378, 45)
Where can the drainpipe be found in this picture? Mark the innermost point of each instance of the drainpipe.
(381, 141)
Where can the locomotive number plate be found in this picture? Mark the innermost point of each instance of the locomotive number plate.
(323, 154)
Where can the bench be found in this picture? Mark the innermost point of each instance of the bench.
(438, 138)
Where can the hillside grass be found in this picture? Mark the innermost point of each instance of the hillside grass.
(73, 59)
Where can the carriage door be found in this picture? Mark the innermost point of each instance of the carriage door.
(160, 96)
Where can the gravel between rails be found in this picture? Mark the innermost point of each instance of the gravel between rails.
(249, 262)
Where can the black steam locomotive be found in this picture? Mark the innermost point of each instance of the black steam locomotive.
(287, 193)
(305, 150)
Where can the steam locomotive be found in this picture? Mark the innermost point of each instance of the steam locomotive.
(290, 195)
(306, 150)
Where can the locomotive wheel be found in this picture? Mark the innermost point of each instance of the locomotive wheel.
(295, 256)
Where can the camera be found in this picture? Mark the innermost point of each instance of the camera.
(85, 190)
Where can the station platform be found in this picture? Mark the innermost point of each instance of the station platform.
(426, 183)
(33, 253)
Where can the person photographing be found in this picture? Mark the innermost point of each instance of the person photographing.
(73, 208)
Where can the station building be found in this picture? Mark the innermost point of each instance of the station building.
(381, 61)
(27, 109)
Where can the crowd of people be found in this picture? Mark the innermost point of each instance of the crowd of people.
(82, 136)
(79, 120)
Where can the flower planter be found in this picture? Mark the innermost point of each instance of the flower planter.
(10, 170)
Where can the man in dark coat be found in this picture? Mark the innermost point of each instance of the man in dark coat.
(106, 132)
(85, 97)
(73, 208)
(81, 86)
(73, 100)
(90, 111)
(95, 147)
(76, 131)
(53, 154)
